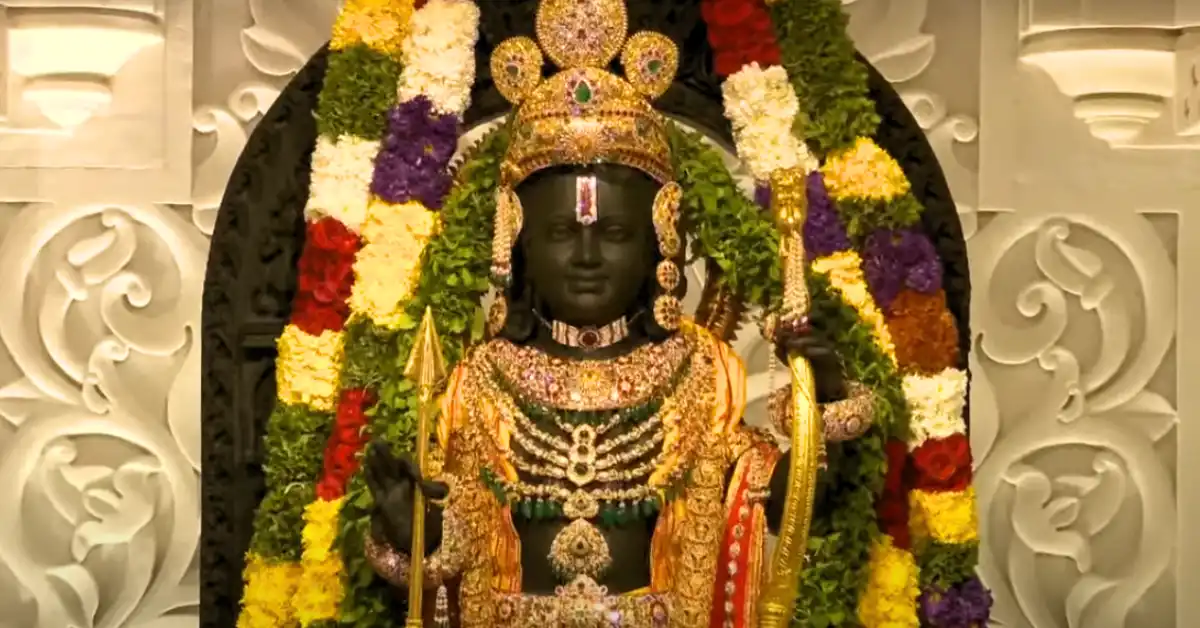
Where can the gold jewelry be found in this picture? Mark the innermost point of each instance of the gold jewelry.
(587, 338)
(579, 549)
(668, 312)
(497, 315)
(583, 604)
(666, 219)
(505, 230)
(585, 385)
(584, 114)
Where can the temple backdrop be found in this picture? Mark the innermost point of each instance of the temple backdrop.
(1069, 131)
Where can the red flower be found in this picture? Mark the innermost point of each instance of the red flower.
(329, 234)
(897, 458)
(725, 13)
(345, 443)
(740, 33)
(892, 511)
(943, 464)
(313, 317)
(326, 274)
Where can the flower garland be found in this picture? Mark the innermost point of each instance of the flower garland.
(361, 77)
(363, 225)
(860, 196)
(370, 219)
(408, 178)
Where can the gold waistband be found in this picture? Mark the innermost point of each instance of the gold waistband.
(583, 604)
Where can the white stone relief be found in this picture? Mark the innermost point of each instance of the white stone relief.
(65, 60)
(97, 100)
(103, 457)
(1076, 499)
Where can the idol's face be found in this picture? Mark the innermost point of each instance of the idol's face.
(588, 272)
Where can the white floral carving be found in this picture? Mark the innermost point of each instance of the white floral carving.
(1089, 407)
(284, 35)
(102, 535)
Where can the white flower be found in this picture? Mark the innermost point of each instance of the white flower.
(762, 107)
(754, 95)
(341, 180)
(936, 403)
(439, 55)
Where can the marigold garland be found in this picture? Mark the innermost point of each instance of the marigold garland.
(944, 517)
(845, 273)
(268, 592)
(319, 589)
(890, 597)
(308, 367)
(379, 24)
(924, 332)
(387, 265)
(866, 172)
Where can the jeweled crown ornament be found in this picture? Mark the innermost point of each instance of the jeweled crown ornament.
(585, 114)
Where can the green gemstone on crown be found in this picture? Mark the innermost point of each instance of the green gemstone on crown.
(583, 93)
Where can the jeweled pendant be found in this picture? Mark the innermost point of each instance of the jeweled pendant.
(580, 550)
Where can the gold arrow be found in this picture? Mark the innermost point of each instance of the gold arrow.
(426, 368)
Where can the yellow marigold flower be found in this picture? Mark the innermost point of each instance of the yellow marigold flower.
(320, 590)
(387, 267)
(266, 600)
(381, 25)
(890, 597)
(844, 270)
(308, 368)
(947, 517)
(865, 171)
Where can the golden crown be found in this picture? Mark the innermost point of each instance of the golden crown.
(585, 114)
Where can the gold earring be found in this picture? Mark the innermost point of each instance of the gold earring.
(506, 228)
(497, 315)
(668, 311)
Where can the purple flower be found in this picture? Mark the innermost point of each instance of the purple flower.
(966, 606)
(900, 258)
(824, 231)
(762, 196)
(417, 148)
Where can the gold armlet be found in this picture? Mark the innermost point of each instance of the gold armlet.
(844, 420)
(393, 565)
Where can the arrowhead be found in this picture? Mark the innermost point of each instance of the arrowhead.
(426, 364)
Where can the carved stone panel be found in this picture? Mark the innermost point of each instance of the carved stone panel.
(98, 100)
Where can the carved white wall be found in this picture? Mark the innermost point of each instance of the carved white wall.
(1070, 146)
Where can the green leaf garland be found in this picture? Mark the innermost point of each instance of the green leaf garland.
(725, 226)
(830, 82)
(360, 87)
(294, 446)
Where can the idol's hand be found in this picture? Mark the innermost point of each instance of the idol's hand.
(391, 481)
(827, 367)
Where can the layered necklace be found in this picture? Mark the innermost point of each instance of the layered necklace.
(581, 467)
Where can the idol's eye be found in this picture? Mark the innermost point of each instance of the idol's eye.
(560, 231)
(615, 232)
